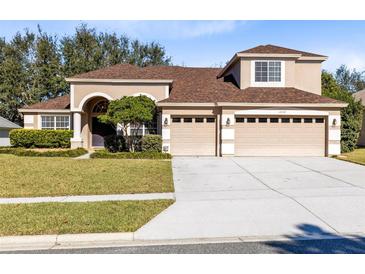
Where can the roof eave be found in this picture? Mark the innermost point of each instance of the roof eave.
(335, 105)
(185, 104)
(29, 110)
(148, 81)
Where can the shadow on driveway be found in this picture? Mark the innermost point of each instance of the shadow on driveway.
(334, 244)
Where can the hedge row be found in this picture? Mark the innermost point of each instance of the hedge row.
(104, 154)
(49, 153)
(31, 138)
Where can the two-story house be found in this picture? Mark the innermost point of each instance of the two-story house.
(265, 102)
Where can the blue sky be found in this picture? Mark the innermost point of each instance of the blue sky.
(212, 43)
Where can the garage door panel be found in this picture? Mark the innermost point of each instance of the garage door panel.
(280, 139)
(193, 138)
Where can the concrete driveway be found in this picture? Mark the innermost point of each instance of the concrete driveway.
(265, 197)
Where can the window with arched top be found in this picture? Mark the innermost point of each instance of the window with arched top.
(101, 106)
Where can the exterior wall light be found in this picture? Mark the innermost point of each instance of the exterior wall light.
(228, 122)
(166, 122)
(334, 122)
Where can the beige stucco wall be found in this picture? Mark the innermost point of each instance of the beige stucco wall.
(31, 116)
(308, 76)
(118, 90)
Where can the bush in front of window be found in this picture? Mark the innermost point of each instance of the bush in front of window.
(152, 143)
(35, 138)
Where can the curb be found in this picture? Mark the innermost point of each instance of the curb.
(12, 243)
(98, 240)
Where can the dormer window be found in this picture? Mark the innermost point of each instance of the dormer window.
(267, 73)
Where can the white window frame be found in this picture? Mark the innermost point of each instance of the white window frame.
(268, 84)
(54, 120)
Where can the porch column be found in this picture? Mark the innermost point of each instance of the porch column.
(76, 141)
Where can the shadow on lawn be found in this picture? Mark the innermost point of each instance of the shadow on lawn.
(323, 242)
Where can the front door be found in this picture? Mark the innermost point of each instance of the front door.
(99, 131)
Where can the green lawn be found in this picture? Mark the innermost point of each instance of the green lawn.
(40, 176)
(356, 156)
(63, 218)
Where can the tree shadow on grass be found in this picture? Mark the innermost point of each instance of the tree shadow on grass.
(315, 240)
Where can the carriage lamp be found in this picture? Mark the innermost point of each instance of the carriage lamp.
(166, 122)
(228, 122)
(334, 122)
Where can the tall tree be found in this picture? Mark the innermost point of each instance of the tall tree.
(48, 78)
(33, 66)
(16, 76)
(352, 81)
(351, 116)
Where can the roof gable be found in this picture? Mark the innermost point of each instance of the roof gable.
(272, 49)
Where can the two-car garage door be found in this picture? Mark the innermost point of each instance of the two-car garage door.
(284, 136)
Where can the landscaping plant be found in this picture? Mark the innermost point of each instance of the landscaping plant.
(37, 138)
(129, 110)
(351, 116)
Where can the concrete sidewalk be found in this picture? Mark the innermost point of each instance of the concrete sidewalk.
(90, 198)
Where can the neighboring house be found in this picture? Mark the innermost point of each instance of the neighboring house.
(5, 127)
(265, 102)
(360, 95)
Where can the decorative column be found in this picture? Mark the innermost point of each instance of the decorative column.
(76, 141)
(227, 133)
(334, 133)
(166, 132)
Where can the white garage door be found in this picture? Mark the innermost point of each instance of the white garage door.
(193, 135)
(284, 136)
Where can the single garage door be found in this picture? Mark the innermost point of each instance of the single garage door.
(280, 136)
(193, 135)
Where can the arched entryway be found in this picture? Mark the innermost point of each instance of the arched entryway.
(98, 129)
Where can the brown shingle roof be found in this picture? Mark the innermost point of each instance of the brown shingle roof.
(271, 49)
(193, 85)
(62, 102)
(200, 85)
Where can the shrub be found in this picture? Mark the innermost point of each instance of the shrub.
(48, 153)
(30, 138)
(152, 143)
(115, 143)
(130, 155)
(351, 116)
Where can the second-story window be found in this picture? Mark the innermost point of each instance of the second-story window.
(267, 71)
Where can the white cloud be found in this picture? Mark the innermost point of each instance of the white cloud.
(168, 29)
(353, 59)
